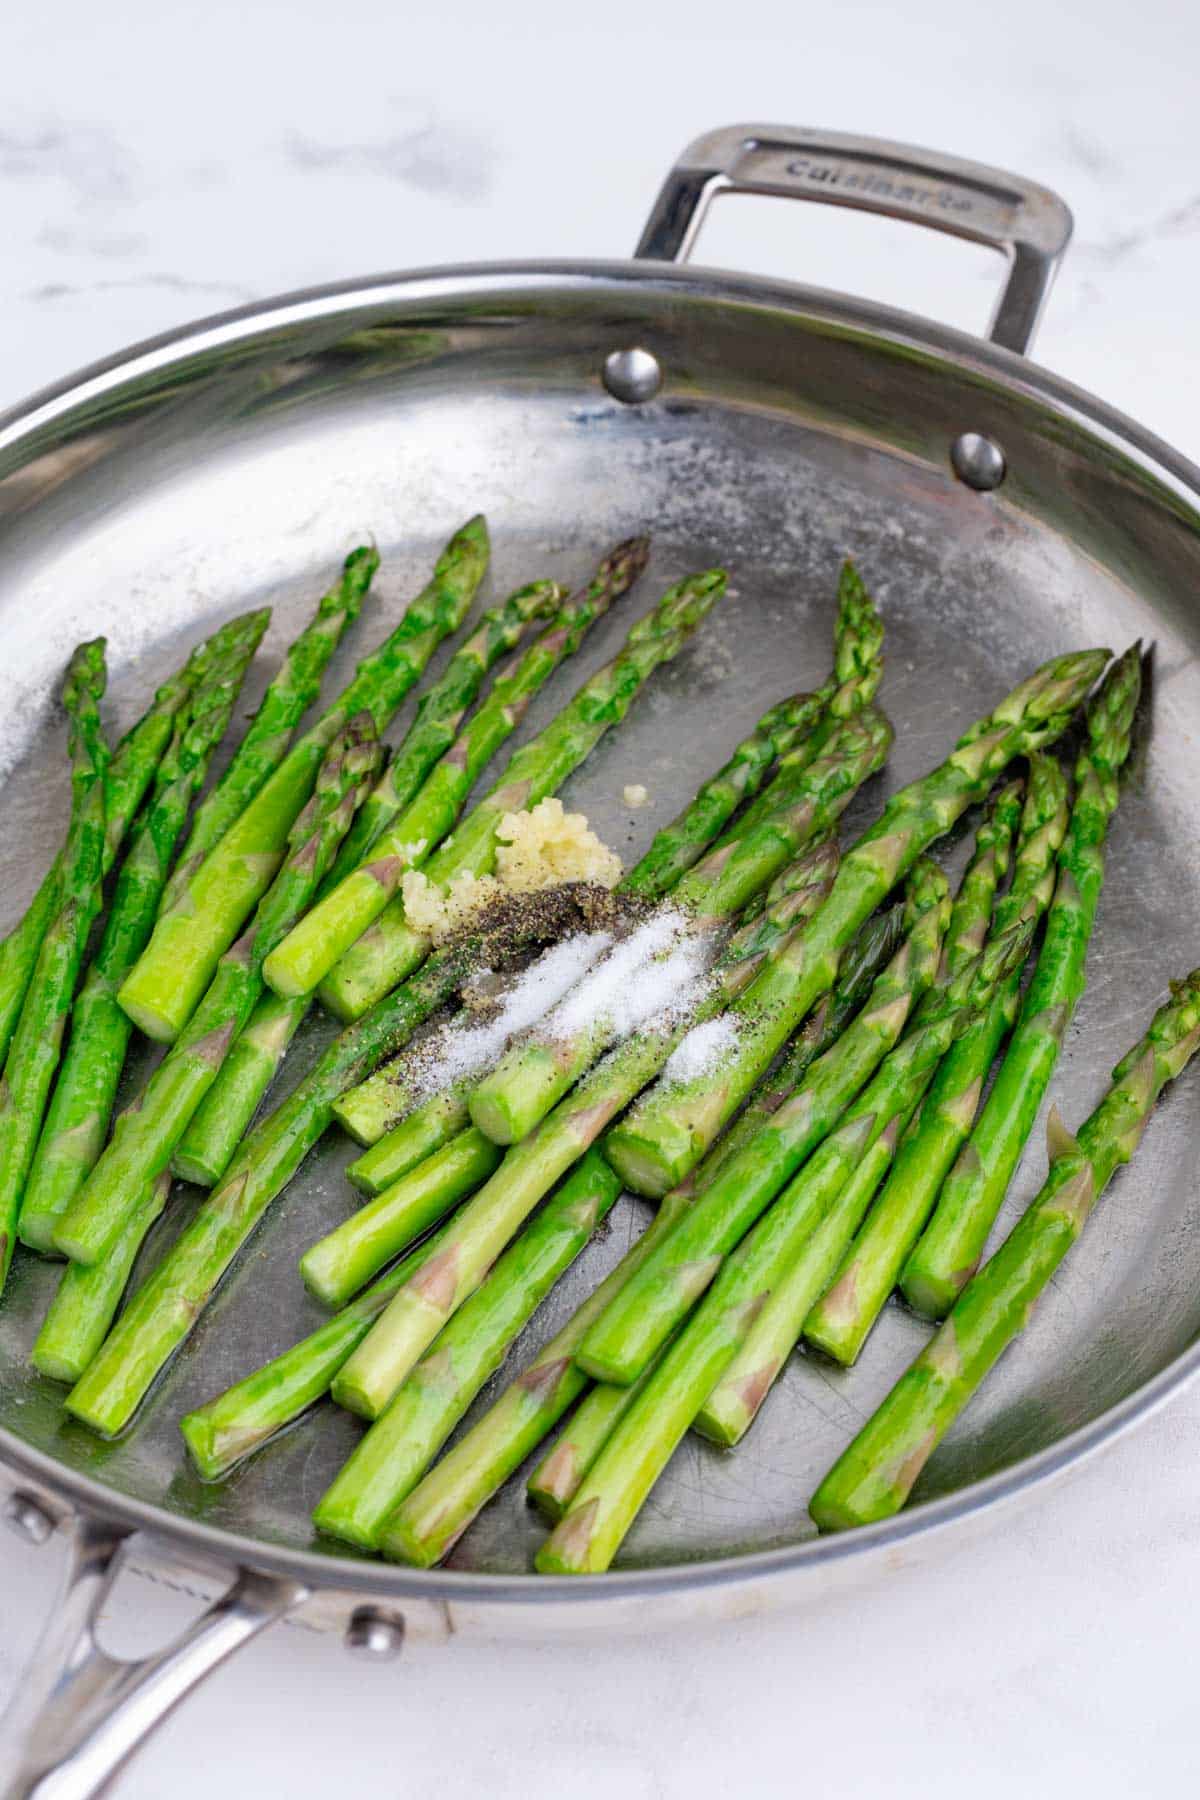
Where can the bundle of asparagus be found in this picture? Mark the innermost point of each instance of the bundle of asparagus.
(760, 939)
(165, 1308)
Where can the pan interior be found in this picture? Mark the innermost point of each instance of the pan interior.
(782, 441)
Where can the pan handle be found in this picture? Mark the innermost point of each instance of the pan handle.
(1030, 225)
(78, 1713)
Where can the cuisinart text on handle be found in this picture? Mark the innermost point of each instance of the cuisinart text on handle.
(858, 179)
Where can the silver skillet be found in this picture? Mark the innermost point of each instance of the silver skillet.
(1000, 516)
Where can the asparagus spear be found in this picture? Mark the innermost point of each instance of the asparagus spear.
(86, 1300)
(641, 1318)
(162, 990)
(358, 1248)
(874, 1477)
(376, 1107)
(254, 1410)
(611, 1494)
(442, 709)
(975, 1187)
(289, 695)
(669, 1129)
(486, 1223)
(228, 1109)
(538, 1070)
(787, 727)
(246, 1416)
(218, 1127)
(841, 1322)
(19, 951)
(346, 1258)
(425, 1129)
(390, 948)
(426, 1525)
(734, 1402)
(147, 1132)
(681, 843)
(164, 1309)
(126, 778)
(307, 955)
(33, 1054)
(858, 671)
(78, 1117)
(226, 1113)
(384, 1100)
(557, 1478)
(368, 1111)
(406, 1437)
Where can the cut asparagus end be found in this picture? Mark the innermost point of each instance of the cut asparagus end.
(154, 1021)
(646, 1166)
(495, 1119)
(194, 1168)
(929, 1296)
(358, 1396)
(400, 1543)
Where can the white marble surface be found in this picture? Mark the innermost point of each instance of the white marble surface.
(157, 162)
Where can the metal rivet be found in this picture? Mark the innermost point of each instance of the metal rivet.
(978, 461)
(375, 1635)
(28, 1518)
(632, 375)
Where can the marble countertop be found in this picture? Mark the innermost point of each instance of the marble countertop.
(158, 163)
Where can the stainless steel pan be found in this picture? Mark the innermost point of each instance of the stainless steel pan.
(999, 514)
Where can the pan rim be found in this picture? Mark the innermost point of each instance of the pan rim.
(155, 356)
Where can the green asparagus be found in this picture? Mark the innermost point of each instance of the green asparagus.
(425, 1129)
(164, 1310)
(219, 1125)
(127, 777)
(33, 1054)
(146, 1134)
(787, 727)
(426, 1525)
(289, 695)
(538, 1070)
(669, 1129)
(390, 948)
(874, 1477)
(643, 1315)
(79, 1113)
(162, 990)
(556, 1480)
(345, 1259)
(86, 1300)
(487, 1222)
(413, 1424)
(256, 1409)
(868, 1274)
(332, 928)
(734, 1402)
(441, 711)
(646, 1436)
(975, 1187)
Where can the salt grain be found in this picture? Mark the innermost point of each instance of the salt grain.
(457, 1053)
(631, 981)
(701, 1050)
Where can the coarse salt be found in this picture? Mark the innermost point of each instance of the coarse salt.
(457, 1052)
(701, 1050)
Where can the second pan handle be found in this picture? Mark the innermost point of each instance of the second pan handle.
(1029, 224)
(79, 1713)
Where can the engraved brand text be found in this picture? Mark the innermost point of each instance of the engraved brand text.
(852, 179)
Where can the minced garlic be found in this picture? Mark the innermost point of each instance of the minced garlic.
(634, 794)
(541, 848)
(546, 846)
